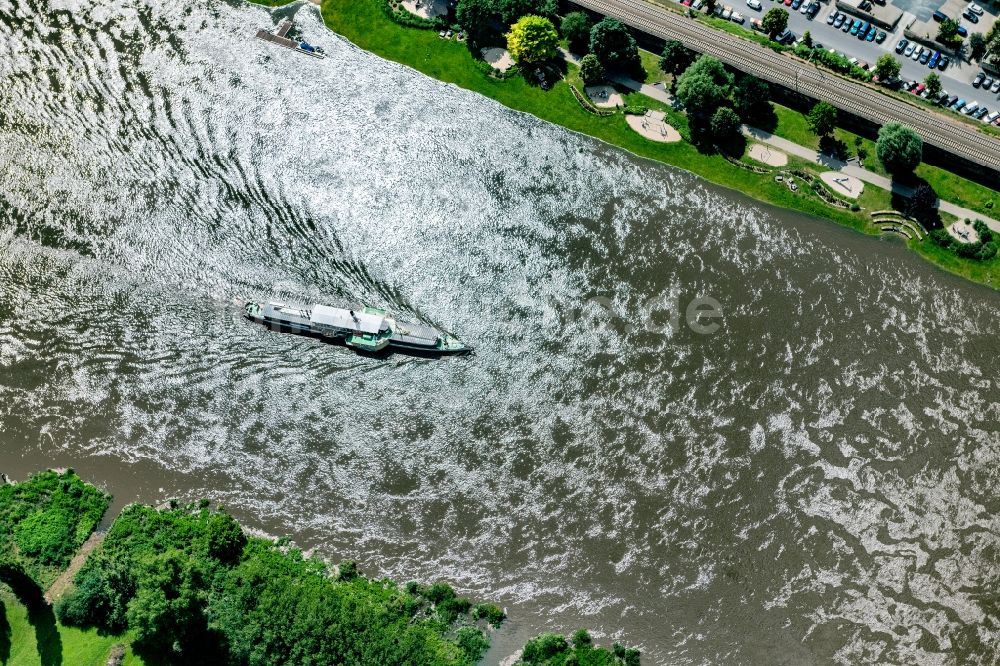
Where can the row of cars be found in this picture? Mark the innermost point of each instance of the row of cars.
(861, 29)
(955, 103)
(925, 56)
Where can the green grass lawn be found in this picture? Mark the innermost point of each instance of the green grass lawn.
(793, 126)
(364, 23)
(69, 646)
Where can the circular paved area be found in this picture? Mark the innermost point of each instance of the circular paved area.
(498, 58)
(963, 232)
(605, 96)
(653, 127)
(427, 9)
(767, 155)
(842, 184)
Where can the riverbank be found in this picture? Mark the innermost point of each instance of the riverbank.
(364, 23)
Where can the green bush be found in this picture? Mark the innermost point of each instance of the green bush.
(489, 612)
(636, 110)
(982, 250)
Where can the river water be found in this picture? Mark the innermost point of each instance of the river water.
(814, 482)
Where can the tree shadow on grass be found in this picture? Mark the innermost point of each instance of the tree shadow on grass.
(762, 116)
(40, 615)
(734, 145)
(5, 634)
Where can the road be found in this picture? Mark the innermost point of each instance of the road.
(866, 102)
(956, 79)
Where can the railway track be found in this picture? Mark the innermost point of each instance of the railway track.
(855, 98)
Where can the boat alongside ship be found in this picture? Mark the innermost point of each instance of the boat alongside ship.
(365, 329)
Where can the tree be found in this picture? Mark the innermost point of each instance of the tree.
(476, 18)
(822, 118)
(675, 59)
(725, 123)
(948, 32)
(886, 67)
(613, 44)
(807, 38)
(704, 86)
(511, 10)
(167, 613)
(933, 83)
(575, 29)
(977, 45)
(591, 70)
(750, 94)
(533, 39)
(774, 21)
(899, 148)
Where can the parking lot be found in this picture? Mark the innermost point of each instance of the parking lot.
(956, 79)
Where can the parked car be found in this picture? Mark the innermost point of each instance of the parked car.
(962, 31)
(855, 27)
(970, 108)
(901, 45)
(872, 31)
(754, 5)
(996, 86)
(978, 81)
(865, 6)
(880, 37)
(974, 8)
(832, 17)
(813, 9)
(736, 17)
(958, 104)
(940, 16)
(919, 89)
(796, 4)
(919, 52)
(987, 83)
(970, 17)
(727, 11)
(991, 117)
(978, 115)
(932, 63)
(948, 103)
(783, 36)
(908, 51)
(943, 97)
(943, 63)
(924, 57)
(755, 24)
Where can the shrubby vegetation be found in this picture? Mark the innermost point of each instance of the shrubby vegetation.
(704, 86)
(822, 118)
(675, 59)
(614, 45)
(44, 520)
(774, 21)
(899, 148)
(886, 67)
(591, 69)
(575, 29)
(532, 39)
(982, 250)
(554, 650)
(190, 586)
(834, 61)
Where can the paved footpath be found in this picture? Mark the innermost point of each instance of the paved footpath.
(858, 172)
(659, 93)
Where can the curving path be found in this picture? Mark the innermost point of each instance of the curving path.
(854, 97)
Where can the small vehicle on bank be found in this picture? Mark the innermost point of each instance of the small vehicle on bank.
(952, 99)
(957, 105)
(970, 108)
(981, 113)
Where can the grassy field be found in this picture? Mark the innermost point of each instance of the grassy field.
(364, 23)
(70, 646)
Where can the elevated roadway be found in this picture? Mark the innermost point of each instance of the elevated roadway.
(853, 97)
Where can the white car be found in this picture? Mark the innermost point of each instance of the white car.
(698, 4)
(754, 4)
(996, 86)
(727, 11)
(736, 17)
(910, 49)
(919, 52)
(975, 9)
(970, 108)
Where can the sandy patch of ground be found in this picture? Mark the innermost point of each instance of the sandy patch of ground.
(842, 184)
(498, 58)
(767, 155)
(604, 96)
(427, 9)
(963, 232)
(653, 126)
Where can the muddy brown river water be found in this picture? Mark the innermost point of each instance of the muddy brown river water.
(814, 482)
